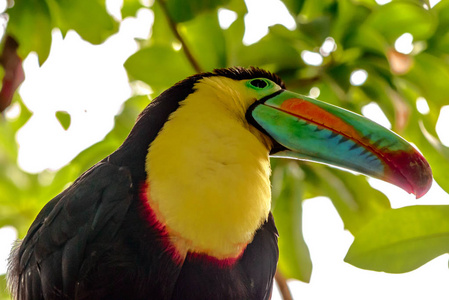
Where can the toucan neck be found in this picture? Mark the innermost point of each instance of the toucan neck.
(132, 153)
(208, 178)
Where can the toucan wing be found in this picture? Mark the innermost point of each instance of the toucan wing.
(259, 261)
(70, 234)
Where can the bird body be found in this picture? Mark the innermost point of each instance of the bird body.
(181, 210)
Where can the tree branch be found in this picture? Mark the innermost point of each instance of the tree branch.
(174, 28)
(283, 287)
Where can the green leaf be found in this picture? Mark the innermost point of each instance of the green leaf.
(205, 39)
(316, 30)
(30, 25)
(439, 42)
(263, 54)
(4, 295)
(355, 200)
(182, 11)
(294, 261)
(377, 89)
(9, 130)
(130, 8)
(64, 119)
(237, 6)
(436, 153)
(294, 6)
(398, 17)
(401, 240)
(340, 75)
(313, 9)
(431, 76)
(159, 66)
(161, 33)
(123, 124)
(88, 18)
(349, 18)
(234, 39)
(421, 131)
(368, 39)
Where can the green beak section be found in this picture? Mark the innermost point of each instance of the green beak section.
(312, 130)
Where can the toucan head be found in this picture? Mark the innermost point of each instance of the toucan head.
(209, 138)
(304, 128)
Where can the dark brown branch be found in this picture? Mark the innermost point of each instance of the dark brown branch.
(283, 287)
(174, 28)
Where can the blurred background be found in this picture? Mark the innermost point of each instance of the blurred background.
(76, 74)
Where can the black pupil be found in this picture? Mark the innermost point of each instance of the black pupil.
(259, 83)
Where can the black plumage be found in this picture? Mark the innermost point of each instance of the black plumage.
(93, 240)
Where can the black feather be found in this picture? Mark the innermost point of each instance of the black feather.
(92, 241)
(50, 257)
(250, 278)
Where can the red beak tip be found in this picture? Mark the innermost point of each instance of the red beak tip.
(423, 189)
(411, 172)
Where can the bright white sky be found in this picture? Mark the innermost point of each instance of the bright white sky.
(91, 84)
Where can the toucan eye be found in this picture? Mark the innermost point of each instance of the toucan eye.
(259, 83)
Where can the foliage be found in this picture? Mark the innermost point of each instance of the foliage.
(391, 240)
(424, 235)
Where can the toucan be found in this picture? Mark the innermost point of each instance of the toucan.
(181, 210)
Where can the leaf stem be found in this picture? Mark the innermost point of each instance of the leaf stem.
(174, 28)
(283, 287)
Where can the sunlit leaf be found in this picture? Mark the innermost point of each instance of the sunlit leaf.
(205, 38)
(294, 6)
(238, 6)
(376, 89)
(123, 124)
(439, 42)
(349, 19)
(130, 8)
(437, 155)
(431, 76)
(401, 240)
(234, 39)
(31, 22)
(368, 39)
(421, 131)
(398, 17)
(263, 54)
(364, 31)
(182, 11)
(317, 29)
(3, 293)
(340, 75)
(355, 200)
(73, 15)
(158, 66)
(64, 119)
(295, 261)
(30, 25)
(314, 9)
(161, 32)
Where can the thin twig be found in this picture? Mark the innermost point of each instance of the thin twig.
(283, 287)
(174, 28)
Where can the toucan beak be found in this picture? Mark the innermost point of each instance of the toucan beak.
(309, 129)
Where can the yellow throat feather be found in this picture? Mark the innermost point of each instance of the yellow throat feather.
(208, 171)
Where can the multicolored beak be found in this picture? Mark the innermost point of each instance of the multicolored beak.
(309, 129)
